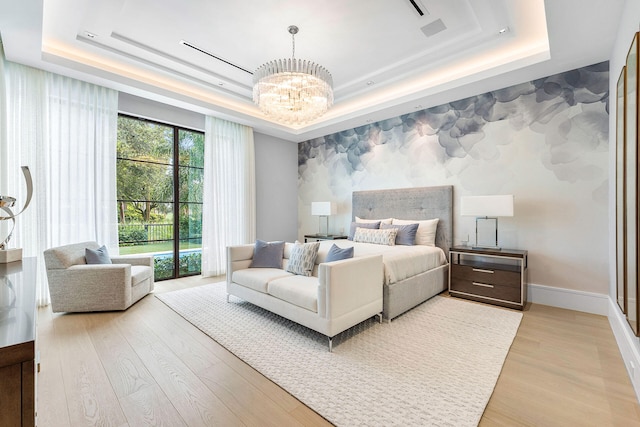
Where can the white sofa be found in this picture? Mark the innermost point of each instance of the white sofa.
(339, 294)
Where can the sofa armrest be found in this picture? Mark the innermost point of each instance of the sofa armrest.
(133, 260)
(238, 258)
(349, 284)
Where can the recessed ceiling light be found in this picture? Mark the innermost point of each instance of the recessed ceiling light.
(503, 30)
(90, 35)
(417, 107)
(221, 84)
(370, 82)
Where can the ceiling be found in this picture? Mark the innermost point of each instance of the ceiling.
(385, 58)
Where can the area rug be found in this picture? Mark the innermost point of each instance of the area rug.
(436, 365)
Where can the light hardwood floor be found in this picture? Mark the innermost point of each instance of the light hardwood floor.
(148, 366)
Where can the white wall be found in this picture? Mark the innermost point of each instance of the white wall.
(628, 343)
(276, 188)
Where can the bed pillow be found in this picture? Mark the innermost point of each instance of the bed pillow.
(303, 258)
(426, 234)
(354, 225)
(267, 254)
(406, 233)
(336, 253)
(97, 256)
(381, 221)
(378, 237)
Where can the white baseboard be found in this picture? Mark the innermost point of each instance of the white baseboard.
(628, 344)
(570, 299)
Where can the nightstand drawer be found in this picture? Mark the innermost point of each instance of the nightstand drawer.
(508, 292)
(491, 276)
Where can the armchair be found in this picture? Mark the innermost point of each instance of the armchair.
(79, 287)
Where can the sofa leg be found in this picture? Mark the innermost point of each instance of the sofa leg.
(227, 297)
(330, 345)
(379, 315)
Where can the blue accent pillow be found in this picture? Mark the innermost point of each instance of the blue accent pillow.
(354, 225)
(406, 233)
(97, 256)
(267, 254)
(336, 253)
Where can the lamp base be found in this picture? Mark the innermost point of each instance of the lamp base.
(10, 255)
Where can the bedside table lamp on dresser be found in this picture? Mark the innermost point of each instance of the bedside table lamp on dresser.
(486, 209)
(323, 210)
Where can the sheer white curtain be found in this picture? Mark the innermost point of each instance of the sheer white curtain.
(229, 199)
(65, 130)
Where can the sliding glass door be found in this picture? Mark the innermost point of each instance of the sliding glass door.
(159, 176)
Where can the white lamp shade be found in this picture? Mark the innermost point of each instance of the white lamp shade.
(487, 205)
(323, 208)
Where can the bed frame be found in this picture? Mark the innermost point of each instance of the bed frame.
(411, 203)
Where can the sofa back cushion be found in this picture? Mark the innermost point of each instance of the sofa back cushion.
(337, 253)
(267, 254)
(302, 258)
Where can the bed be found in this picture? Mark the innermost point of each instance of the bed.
(422, 203)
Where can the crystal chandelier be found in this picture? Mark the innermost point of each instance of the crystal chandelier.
(292, 91)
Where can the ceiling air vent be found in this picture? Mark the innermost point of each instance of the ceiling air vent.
(201, 50)
(433, 28)
(420, 9)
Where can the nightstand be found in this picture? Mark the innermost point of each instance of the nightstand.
(324, 237)
(493, 276)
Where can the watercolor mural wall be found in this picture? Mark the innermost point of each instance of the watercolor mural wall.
(545, 142)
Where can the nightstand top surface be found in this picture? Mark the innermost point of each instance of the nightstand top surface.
(514, 253)
(325, 236)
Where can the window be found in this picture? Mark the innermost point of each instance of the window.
(159, 179)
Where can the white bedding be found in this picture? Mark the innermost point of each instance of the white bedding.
(400, 262)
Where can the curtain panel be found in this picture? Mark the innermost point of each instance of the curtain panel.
(65, 130)
(229, 199)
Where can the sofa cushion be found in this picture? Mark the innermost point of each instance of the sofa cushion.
(337, 253)
(268, 254)
(140, 273)
(303, 258)
(297, 290)
(257, 278)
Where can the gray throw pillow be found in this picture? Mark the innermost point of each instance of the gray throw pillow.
(267, 254)
(97, 256)
(303, 258)
(406, 233)
(336, 253)
(354, 225)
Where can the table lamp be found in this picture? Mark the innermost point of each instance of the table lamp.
(323, 210)
(487, 209)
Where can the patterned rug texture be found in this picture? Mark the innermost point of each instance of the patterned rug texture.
(435, 365)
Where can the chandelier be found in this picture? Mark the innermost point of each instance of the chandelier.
(292, 91)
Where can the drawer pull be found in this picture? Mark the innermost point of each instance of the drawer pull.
(480, 270)
(484, 285)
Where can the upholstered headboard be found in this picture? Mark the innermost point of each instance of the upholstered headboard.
(410, 203)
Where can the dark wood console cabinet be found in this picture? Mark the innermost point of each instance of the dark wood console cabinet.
(488, 275)
(17, 343)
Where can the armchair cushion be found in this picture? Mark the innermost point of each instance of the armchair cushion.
(97, 256)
